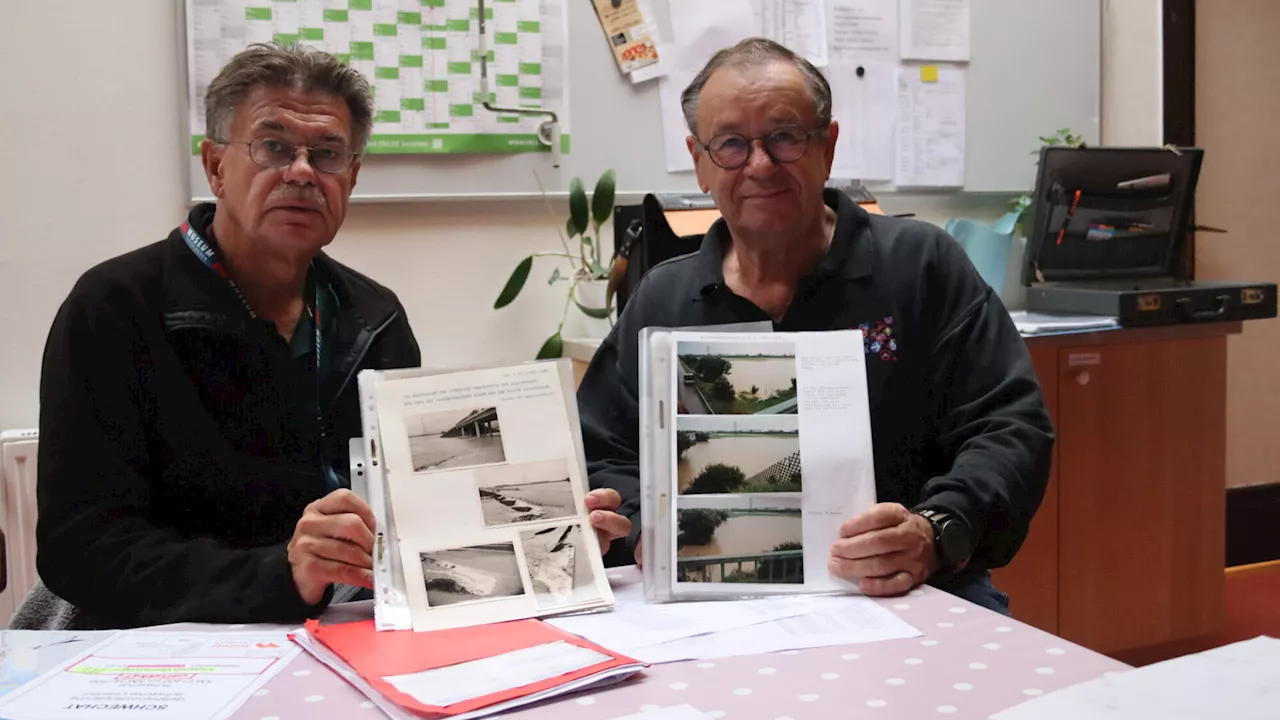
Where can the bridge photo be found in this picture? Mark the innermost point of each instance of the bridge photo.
(449, 439)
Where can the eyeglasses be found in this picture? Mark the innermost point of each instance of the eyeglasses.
(327, 157)
(786, 144)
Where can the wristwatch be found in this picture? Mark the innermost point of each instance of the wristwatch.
(951, 541)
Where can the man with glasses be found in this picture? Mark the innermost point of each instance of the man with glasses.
(198, 394)
(961, 437)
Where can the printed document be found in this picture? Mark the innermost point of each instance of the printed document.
(931, 126)
(866, 106)
(158, 675)
(756, 447)
(935, 30)
(862, 30)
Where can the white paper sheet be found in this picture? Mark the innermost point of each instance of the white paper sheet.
(700, 28)
(1030, 323)
(1240, 681)
(862, 30)
(842, 620)
(935, 30)
(931, 127)
(162, 675)
(455, 683)
(866, 108)
(800, 25)
(635, 623)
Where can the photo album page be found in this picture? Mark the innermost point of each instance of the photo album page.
(486, 487)
(765, 450)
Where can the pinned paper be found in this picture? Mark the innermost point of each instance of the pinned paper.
(928, 73)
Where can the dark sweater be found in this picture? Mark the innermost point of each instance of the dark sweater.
(958, 422)
(177, 445)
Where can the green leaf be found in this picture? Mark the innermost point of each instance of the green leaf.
(586, 240)
(552, 348)
(555, 275)
(578, 218)
(597, 313)
(515, 283)
(598, 270)
(602, 200)
(569, 228)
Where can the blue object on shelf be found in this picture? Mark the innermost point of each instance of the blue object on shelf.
(988, 246)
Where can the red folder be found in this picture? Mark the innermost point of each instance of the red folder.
(374, 654)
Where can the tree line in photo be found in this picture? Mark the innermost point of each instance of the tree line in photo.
(710, 374)
(726, 478)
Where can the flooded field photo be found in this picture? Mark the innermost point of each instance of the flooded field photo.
(736, 378)
(759, 545)
(454, 438)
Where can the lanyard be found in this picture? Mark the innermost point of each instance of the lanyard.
(209, 256)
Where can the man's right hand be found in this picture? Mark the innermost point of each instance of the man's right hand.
(332, 543)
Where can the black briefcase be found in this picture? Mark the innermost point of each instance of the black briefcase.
(1105, 231)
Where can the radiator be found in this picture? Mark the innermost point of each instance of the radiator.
(17, 517)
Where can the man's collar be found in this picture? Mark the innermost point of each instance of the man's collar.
(848, 256)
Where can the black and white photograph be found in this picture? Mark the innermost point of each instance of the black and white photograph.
(736, 378)
(738, 454)
(529, 492)
(559, 566)
(740, 545)
(470, 574)
(451, 439)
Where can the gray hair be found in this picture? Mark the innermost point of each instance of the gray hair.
(754, 52)
(296, 67)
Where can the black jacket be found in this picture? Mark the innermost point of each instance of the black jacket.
(174, 462)
(957, 418)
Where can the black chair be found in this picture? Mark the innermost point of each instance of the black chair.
(642, 238)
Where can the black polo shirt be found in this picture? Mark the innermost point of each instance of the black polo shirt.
(958, 422)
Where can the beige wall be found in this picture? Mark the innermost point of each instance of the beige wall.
(1237, 103)
(90, 118)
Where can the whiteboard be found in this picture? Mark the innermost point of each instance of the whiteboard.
(1036, 67)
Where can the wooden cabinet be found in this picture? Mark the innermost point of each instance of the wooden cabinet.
(1127, 548)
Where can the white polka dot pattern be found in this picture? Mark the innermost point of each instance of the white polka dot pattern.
(808, 698)
(742, 691)
(947, 709)
(586, 701)
(767, 671)
(896, 681)
(963, 687)
(1044, 671)
(977, 666)
(876, 703)
(830, 676)
(313, 698)
(1056, 651)
(992, 646)
(679, 686)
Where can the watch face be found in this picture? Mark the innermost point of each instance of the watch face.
(955, 542)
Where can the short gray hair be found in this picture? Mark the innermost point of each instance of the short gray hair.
(754, 52)
(296, 67)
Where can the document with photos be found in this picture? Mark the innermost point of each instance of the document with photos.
(486, 484)
(755, 449)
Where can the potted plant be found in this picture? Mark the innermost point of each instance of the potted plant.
(586, 275)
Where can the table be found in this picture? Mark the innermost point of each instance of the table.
(969, 663)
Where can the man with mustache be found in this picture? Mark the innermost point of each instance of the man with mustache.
(961, 437)
(198, 394)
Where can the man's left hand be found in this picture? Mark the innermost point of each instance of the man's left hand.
(608, 524)
(887, 550)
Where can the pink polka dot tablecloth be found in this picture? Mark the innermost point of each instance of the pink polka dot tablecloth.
(969, 663)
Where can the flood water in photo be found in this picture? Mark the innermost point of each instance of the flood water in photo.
(750, 453)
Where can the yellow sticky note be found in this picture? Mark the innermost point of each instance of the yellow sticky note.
(928, 73)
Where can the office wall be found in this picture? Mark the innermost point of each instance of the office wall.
(1236, 106)
(1132, 73)
(90, 125)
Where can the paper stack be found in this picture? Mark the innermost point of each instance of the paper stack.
(462, 673)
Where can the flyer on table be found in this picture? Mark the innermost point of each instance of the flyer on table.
(159, 675)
